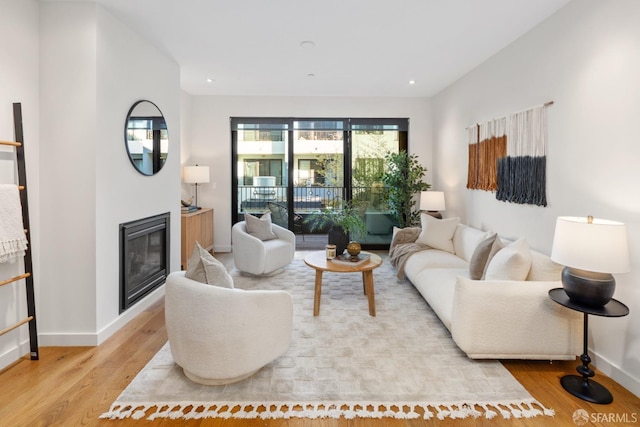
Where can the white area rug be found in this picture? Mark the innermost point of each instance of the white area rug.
(343, 363)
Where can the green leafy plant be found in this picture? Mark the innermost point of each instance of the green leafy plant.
(343, 214)
(404, 178)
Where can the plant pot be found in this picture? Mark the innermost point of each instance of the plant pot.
(338, 237)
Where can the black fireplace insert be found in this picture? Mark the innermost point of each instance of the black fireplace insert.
(144, 257)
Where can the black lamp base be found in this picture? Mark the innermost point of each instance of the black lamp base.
(588, 288)
(435, 214)
(586, 389)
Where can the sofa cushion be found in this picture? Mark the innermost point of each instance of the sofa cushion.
(437, 233)
(432, 258)
(260, 227)
(204, 268)
(512, 262)
(466, 239)
(480, 256)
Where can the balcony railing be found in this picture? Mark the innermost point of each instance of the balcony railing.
(308, 199)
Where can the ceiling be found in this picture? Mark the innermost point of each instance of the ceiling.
(360, 47)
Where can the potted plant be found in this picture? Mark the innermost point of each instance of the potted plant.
(403, 177)
(343, 220)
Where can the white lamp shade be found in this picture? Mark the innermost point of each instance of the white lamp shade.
(196, 174)
(600, 246)
(432, 201)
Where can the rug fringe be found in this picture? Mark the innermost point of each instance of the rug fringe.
(349, 410)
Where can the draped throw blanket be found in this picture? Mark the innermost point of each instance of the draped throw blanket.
(13, 241)
(403, 245)
(508, 156)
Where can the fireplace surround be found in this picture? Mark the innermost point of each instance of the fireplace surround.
(144, 257)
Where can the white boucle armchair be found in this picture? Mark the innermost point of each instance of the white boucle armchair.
(262, 257)
(219, 335)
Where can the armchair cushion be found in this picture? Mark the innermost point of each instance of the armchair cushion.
(260, 227)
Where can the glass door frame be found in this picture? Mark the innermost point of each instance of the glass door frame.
(288, 125)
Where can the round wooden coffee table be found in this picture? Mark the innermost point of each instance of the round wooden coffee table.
(319, 262)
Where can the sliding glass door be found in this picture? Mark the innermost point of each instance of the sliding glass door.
(371, 139)
(293, 168)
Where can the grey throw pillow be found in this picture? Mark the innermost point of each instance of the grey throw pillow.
(480, 256)
(204, 268)
(215, 272)
(260, 227)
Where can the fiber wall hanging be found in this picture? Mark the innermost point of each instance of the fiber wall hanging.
(508, 156)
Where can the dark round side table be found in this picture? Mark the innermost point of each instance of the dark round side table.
(583, 386)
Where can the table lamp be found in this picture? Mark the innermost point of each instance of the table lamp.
(590, 249)
(196, 175)
(432, 202)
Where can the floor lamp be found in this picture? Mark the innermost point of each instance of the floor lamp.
(196, 175)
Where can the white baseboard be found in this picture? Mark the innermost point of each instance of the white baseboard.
(14, 354)
(93, 339)
(614, 372)
(130, 314)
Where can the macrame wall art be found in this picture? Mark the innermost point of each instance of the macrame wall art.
(508, 156)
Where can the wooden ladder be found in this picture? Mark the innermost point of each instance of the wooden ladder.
(18, 144)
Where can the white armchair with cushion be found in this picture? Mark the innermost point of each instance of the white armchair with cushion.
(220, 335)
(260, 247)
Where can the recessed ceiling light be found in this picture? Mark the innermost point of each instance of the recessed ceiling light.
(307, 44)
(209, 80)
(412, 82)
(311, 75)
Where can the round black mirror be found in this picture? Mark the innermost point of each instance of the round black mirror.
(146, 137)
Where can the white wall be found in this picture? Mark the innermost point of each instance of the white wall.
(19, 83)
(210, 143)
(93, 69)
(130, 69)
(586, 58)
(68, 179)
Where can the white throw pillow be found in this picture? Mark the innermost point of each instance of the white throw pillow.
(511, 262)
(495, 248)
(204, 268)
(437, 233)
(260, 227)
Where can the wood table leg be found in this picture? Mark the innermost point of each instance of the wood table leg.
(318, 292)
(364, 283)
(367, 278)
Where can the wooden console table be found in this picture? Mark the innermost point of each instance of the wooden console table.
(196, 226)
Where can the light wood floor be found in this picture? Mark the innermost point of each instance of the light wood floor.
(72, 386)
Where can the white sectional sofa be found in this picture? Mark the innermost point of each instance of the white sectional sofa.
(505, 315)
